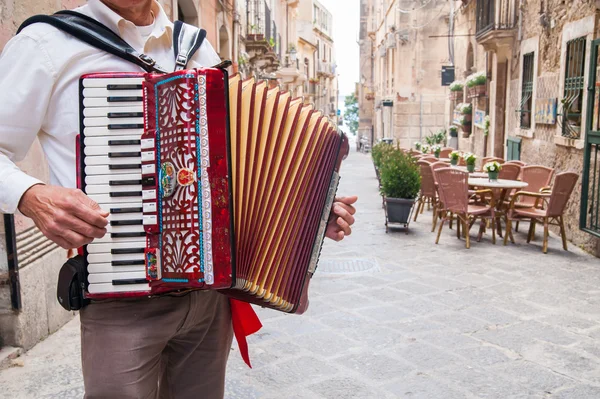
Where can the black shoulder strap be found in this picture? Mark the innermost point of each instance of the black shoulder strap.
(95, 34)
(187, 39)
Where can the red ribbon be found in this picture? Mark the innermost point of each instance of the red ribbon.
(245, 323)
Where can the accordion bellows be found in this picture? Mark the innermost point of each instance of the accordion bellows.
(211, 182)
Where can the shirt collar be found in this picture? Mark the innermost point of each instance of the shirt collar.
(102, 13)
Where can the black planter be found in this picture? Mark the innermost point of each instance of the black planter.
(398, 210)
(453, 133)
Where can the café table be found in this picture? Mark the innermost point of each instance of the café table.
(501, 184)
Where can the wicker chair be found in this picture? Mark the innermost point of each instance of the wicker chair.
(453, 187)
(428, 191)
(520, 163)
(436, 214)
(428, 158)
(556, 201)
(538, 178)
(445, 152)
(491, 159)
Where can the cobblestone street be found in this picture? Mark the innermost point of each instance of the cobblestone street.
(396, 316)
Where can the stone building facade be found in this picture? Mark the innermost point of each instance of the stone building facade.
(403, 52)
(29, 263)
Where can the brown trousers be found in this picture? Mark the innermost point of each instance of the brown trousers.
(168, 347)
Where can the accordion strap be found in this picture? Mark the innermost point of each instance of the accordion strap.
(187, 39)
(95, 34)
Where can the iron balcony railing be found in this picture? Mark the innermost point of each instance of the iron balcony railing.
(495, 15)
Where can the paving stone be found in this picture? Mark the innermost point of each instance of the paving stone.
(425, 357)
(578, 392)
(484, 356)
(538, 379)
(344, 388)
(376, 367)
(422, 386)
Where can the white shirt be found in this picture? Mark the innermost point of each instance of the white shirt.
(39, 79)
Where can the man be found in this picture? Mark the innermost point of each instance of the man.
(167, 347)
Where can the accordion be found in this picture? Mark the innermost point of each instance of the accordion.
(211, 181)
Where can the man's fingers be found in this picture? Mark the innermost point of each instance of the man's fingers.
(90, 212)
(74, 239)
(347, 200)
(344, 226)
(334, 234)
(343, 213)
(349, 208)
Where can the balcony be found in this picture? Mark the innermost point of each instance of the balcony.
(261, 39)
(290, 72)
(496, 23)
(326, 69)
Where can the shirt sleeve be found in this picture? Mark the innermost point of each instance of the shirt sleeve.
(26, 82)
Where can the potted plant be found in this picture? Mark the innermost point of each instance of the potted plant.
(477, 84)
(466, 109)
(454, 155)
(465, 125)
(456, 90)
(470, 160)
(453, 130)
(486, 125)
(418, 146)
(400, 185)
(378, 154)
(492, 169)
(425, 149)
(436, 150)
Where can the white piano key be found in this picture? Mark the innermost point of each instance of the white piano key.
(107, 258)
(107, 288)
(124, 229)
(94, 141)
(114, 200)
(104, 92)
(148, 156)
(108, 268)
(103, 102)
(103, 82)
(125, 216)
(102, 150)
(103, 112)
(148, 194)
(108, 239)
(105, 179)
(94, 248)
(105, 160)
(98, 121)
(97, 278)
(105, 131)
(147, 144)
(105, 189)
(104, 170)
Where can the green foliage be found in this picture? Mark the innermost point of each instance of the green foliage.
(453, 130)
(379, 152)
(469, 158)
(477, 79)
(399, 175)
(457, 86)
(351, 114)
(436, 138)
(272, 42)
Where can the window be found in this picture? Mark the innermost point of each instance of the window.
(572, 102)
(527, 91)
(513, 152)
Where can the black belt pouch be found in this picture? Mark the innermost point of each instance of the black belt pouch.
(71, 284)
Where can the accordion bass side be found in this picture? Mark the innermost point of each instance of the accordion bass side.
(211, 182)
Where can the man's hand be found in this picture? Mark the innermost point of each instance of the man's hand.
(66, 216)
(341, 218)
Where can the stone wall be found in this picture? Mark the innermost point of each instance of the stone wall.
(415, 120)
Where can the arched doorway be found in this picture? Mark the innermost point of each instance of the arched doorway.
(224, 51)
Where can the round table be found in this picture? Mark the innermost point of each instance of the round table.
(500, 183)
(471, 175)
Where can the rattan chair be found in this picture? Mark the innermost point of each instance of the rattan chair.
(555, 201)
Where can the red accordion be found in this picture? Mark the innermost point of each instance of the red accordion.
(211, 183)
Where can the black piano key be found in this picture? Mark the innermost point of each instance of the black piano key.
(128, 235)
(137, 262)
(116, 211)
(124, 154)
(124, 87)
(121, 194)
(114, 99)
(117, 115)
(122, 167)
(120, 126)
(124, 142)
(124, 182)
(130, 281)
(126, 251)
(126, 222)
(149, 181)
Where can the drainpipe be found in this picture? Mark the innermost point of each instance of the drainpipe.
(13, 264)
(421, 118)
